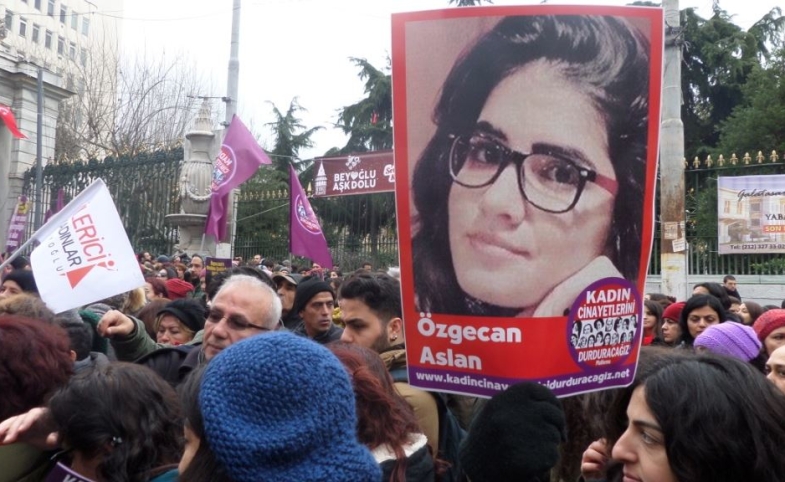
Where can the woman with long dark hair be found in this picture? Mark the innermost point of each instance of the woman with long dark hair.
(532, 186)
(685, 424)
(652, 322)
(700, 312)
(386, 423)
(120, 422)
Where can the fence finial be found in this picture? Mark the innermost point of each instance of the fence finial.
(709, 161)
(746, 158)
(733, 159)
(760, 157)
(696, 163)
(774, 157)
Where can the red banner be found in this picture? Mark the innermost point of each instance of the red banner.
(526, 142)
(354, 174)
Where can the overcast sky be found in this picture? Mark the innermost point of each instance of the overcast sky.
(301, 48)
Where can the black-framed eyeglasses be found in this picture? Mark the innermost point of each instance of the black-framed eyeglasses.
(547, 181)
(236, 323)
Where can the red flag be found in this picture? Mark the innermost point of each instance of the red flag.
(10, 121)
(305, 233)
(239, 159)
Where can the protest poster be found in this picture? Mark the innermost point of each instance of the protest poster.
(526, 151)
(750, 214)
(213, 266)
(18, 224)
(363, 173)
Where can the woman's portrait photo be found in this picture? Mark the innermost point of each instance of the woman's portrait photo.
(529, 183)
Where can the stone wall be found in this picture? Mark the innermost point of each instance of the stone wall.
(766, 290)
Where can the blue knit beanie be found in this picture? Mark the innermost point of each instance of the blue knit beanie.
(279, 407)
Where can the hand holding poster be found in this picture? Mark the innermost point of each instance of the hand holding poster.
(524, 207)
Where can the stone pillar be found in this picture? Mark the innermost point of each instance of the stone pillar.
(199, 152)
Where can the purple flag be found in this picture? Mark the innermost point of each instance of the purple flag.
(16, 228)
(239, 159)
(58, 205)
(305, 233)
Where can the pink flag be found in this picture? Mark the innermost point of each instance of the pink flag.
(239, 159)
(84, 254)
(305, 233)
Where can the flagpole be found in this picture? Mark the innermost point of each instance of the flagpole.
(39, 162)
(55, 219)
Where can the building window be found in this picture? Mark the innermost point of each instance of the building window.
(9, 20)
(50, 8)
(85, 26)
(36, 33)
(60, 45)
(74, 20)
(48, 39)
(38, 4)
(83, 57)
(72, 51)
(63, 13)
(22, 27)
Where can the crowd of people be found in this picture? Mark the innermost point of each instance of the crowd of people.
(268, 372)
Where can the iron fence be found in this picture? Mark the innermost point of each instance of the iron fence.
(144, 188)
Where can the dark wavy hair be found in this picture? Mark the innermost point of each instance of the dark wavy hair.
(602, 55)
(718, 291)
(204, 466)
(696, 401)
(35, 360)
(754, 309)
(383, 416)
(380, 292)
(695, 302)
(123, 413)
(655, 309)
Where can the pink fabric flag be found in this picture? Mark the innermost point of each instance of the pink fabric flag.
(239, 159)
(305, 233)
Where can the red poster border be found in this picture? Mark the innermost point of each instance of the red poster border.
(655, 17)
